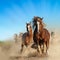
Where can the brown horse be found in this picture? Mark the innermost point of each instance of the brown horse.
(27, 37)
(41, 35)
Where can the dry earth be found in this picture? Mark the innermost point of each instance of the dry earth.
(12, 52)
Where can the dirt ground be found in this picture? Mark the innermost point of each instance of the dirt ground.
(12, 52)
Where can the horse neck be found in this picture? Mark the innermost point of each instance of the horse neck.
(41, 27)
(30, 33)
(35, 29)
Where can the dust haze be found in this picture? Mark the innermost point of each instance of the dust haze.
(10, 50)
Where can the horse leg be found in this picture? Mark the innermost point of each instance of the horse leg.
(38, 49)
(37, 46)
(46, 46)
(42, 45)
(43, 48)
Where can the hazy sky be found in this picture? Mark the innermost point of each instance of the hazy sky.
(15, 13)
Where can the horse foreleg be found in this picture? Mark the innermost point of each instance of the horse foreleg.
(43, 48)
(38, 49)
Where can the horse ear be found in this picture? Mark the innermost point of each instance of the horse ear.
(35, 16)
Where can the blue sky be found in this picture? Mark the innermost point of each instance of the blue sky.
(15, 13)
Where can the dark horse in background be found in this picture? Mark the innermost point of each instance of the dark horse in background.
(41, 35)
(27, 36)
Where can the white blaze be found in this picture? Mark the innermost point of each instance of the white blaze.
(29, 27)
(38, 25)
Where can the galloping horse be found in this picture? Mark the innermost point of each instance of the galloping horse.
(41, 35)
(27, 36)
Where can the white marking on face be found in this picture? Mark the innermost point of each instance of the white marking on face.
(38, 25)
(28, 27)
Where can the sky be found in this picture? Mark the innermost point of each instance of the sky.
(15, 13)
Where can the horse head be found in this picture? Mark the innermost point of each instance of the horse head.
(37, 23)
(28, 26)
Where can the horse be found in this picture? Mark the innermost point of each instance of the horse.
(41, 35)
(27, 36)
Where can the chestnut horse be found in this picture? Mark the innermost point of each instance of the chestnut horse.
(27, 36)
(41, 35)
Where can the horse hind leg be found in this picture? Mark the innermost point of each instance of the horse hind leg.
(47, 45)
